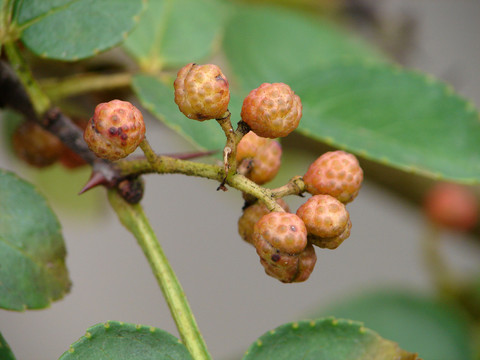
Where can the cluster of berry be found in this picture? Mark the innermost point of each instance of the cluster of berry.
(283, 240)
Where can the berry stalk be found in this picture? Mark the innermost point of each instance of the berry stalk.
(134, 219)
(169, 165)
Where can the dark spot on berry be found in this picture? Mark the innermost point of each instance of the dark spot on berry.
(275, 257)
(112, 131)
(119, 131)
(293, 228)
(124, 136)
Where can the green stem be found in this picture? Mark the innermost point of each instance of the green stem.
(168, 165)
(134, 219)
(40, 100)
(79, 84)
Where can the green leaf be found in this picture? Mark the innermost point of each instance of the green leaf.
(32, 251)
(435, 330)
(401, 118)
(72, 30)
(175, 32)
(118, 340)
(5, 352)
(270, 44)
(325, 339)
(159, 99)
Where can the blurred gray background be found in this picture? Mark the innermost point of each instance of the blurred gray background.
(233, 300)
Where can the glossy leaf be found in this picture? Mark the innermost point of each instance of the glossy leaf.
(72, 30)
(32, 250)
(159, 99)
(325, 339)
(5, 351)
(437, 331)
(175, 32)
(271, 44)
(118, 340)
(401, 118)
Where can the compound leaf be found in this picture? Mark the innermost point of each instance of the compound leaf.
(32, 250)
(75, 29)
(401, 118)
(175, 32)
(123, 341)
(325, 339)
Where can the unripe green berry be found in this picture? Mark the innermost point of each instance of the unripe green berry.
(324, 216)
(330, 242)
(251, 215)
(282, 231)
(292, 268)
(35, 145)
(201, 92)
(115, 130)
(272, 110)
(262, 157)
(335, 173)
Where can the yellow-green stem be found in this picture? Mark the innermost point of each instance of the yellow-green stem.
(169, 165)
(40, 100)
(440, 273)
(80, 84)
(134, 219)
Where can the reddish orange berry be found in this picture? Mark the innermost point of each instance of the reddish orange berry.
(331, 242)
(451, 206)
(335, 173)
(292, 268)
(35, 145)
(251, 215)
(201, 91)
(272, 110)
(279, 231)
(324, 216)
(115, 130)
(261, 156)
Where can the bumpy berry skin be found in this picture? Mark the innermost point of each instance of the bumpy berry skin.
(272, 110)
(261, 155)
(451, 206)
(292, 268)
(324, 216)
(36, 146)
(335, 173)
(201, 91)
(331, 242)
(115, 130)
(251, 215)
(279, 232)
